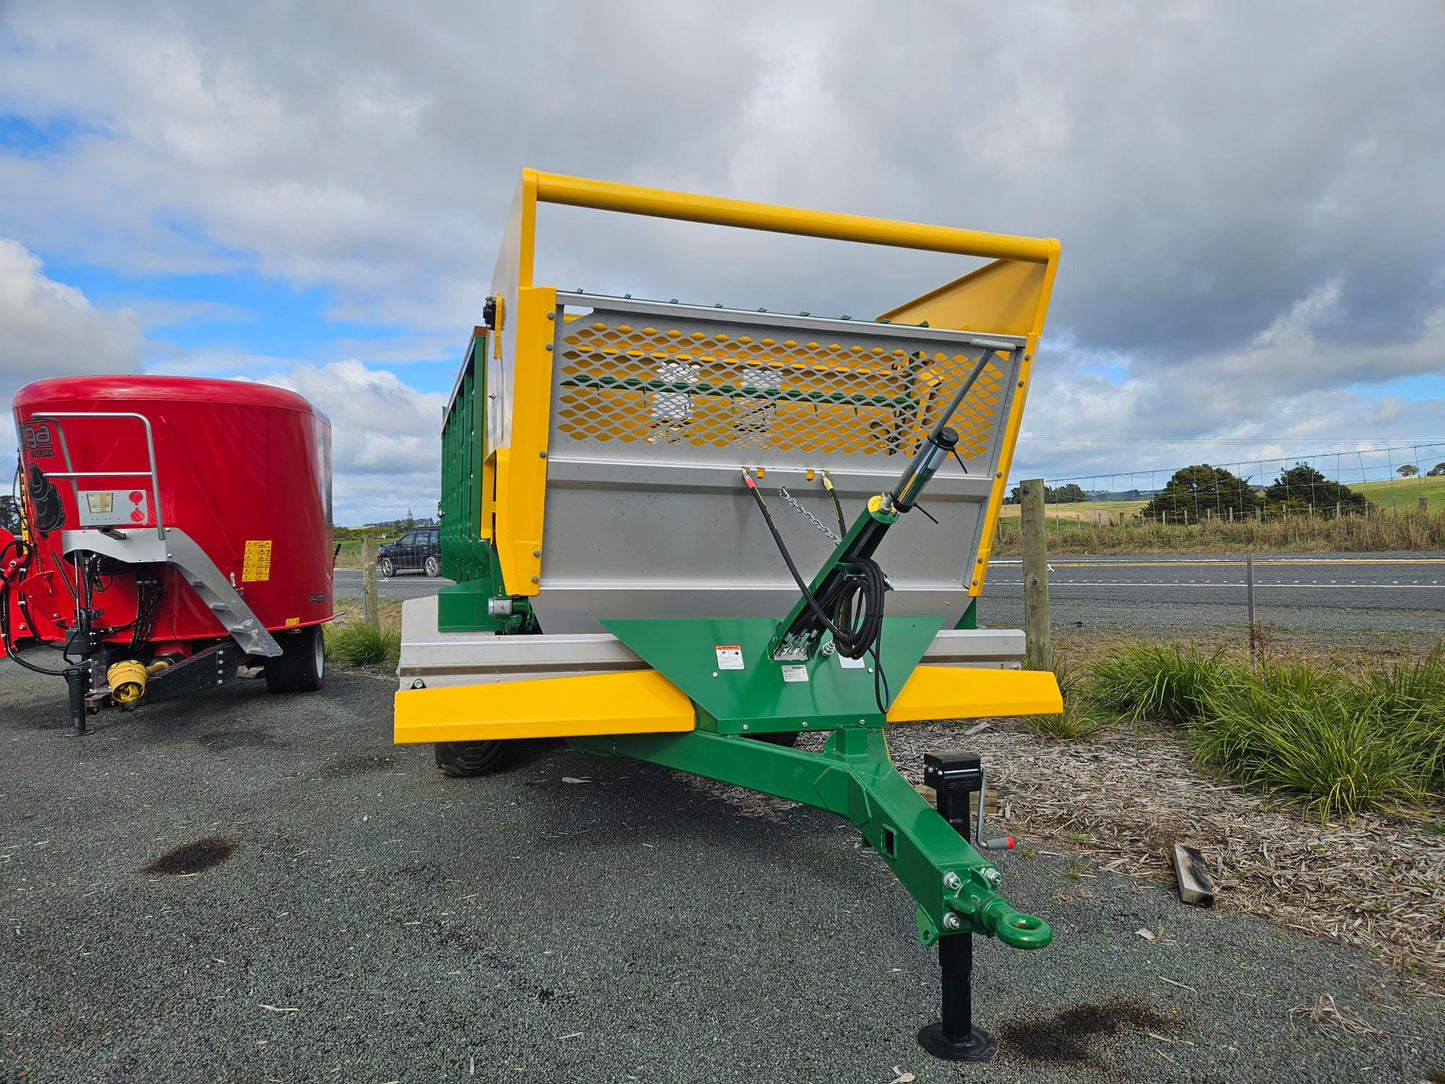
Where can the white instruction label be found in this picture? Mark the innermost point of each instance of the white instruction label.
(729, 656)
(795, 672)
(851, 664)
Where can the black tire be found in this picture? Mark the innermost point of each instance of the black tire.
(782, 737)
(460, 759)
(388, 570)
(301, 666)
(433, 567)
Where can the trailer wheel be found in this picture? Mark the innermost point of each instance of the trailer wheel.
(388, 570)
(301, 664)
(433, 567)
(460, 759)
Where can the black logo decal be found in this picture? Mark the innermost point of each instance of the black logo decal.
(36, 436)
(45, 502)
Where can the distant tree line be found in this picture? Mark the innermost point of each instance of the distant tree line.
(387, 526)
(1198, 492)
(1065, 494)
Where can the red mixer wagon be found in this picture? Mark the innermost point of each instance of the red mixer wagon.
(171, 530)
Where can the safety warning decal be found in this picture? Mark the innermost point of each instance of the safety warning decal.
(795, 672)
(256, 567)
(851, 664)
(729, 656)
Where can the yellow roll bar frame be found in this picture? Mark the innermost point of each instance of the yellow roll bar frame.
(745, 214)
(1008, 296)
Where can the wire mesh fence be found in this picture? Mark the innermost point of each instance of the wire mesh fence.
(1386, 497)
(1359, 481)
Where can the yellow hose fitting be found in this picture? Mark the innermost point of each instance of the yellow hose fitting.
(127, 681)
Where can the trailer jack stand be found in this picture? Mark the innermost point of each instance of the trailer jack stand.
(954, 1037)
(76, 680)
(954, 776)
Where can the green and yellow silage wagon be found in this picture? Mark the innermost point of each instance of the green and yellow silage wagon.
(631, 492)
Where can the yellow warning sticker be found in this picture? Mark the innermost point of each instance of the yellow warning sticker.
(293, 621)
(257, 564)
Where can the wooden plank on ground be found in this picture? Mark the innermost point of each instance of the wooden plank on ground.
(1193, 876)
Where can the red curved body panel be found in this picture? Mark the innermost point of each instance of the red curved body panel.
(244, 469)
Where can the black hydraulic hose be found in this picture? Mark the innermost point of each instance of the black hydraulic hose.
(788, 559)
(860, 604)
(884, 696)
(5, 588)
(859, 609)
(837, 505)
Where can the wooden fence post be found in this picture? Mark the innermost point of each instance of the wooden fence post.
(369, 612)
(1037, 643)
(1249, 596)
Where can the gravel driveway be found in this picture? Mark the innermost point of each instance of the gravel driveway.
(246, 887)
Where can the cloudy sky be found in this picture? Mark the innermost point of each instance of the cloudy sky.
(1250, 197)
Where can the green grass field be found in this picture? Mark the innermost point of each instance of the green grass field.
(1405, 493)
(1402, 494)
(1399, 494)
(1084, 511)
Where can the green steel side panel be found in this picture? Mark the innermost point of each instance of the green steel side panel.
(969, 620)
(686, 652)
(465, 553)
(468, 556)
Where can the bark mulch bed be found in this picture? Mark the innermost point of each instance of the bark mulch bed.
(1129, 796)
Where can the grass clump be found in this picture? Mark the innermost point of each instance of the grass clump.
(1341, 743)
(362, 645)
(1078, 721)
(1157, 681)
(1412, 691)
(1333, 742)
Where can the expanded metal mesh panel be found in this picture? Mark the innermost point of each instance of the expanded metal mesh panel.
(653, 374)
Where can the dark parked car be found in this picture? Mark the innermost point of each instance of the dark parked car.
(417, 549)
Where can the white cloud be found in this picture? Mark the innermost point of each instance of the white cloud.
(161, 313)
(1201, 166)
(1250, 233)
(1293, 382)
(386, 438)
(50, 329)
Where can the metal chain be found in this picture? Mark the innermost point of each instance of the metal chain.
(814, 520)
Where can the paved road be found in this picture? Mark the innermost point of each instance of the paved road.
(1320, 590)
(346, 583)
(240, 887)
(1325, 591)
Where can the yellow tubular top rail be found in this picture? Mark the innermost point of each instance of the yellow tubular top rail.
(629, 199)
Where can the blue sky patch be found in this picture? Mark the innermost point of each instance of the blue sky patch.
(242, 314)
(31, 137)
